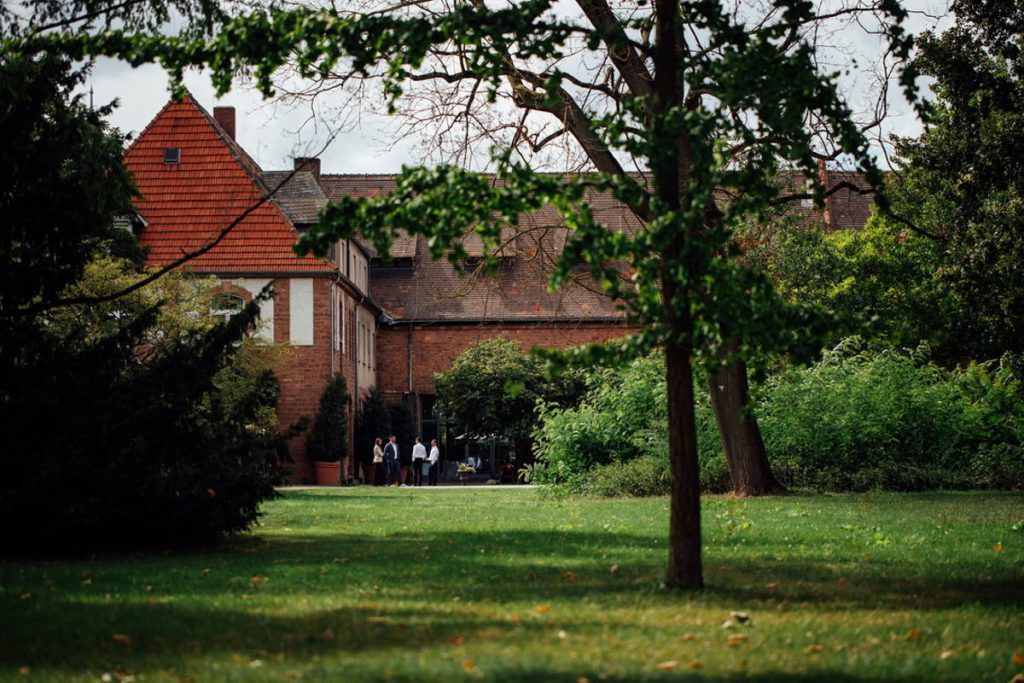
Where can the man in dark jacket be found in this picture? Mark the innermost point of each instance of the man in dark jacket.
(391, 461)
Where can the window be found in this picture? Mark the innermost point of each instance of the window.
(226, 304)
(172, 155)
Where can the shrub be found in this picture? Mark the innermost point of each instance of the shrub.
(328, 440)
(647, 475)
(101, 450)
(372, 422)
(622, 417)
(859, 419)
(862, 419)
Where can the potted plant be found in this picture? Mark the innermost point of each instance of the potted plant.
(464, 471)
(327, 443)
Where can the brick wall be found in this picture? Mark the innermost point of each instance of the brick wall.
(305, 371)
(435, 347)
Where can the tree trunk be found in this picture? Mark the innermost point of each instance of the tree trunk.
(749, 470)
(684, 544)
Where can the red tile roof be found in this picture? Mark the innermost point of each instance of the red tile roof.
(186, 205)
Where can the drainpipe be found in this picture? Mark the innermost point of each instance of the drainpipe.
(408, 354)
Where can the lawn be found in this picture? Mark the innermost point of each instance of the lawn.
(508, 585)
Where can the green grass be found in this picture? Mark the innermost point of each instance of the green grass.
(506, 585)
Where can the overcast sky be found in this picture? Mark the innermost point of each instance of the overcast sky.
(274, 135)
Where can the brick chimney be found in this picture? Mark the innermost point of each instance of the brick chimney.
(225, 116)
(311, 164)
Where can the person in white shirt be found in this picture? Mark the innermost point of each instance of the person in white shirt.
(435, 455)
(419, 456)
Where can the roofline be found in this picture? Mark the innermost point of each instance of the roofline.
(264, 273)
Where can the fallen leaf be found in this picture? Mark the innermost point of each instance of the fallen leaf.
(377, 620)
(1018, 658)
(258, 579)
(695, 664)
(25, 596)
(686, 636)
(468, 665)
(998, 547)
(542, 609)
(668, 666)
(772, 586)
(185, 678)
(122, 639)
(615, 569)
(205, 571)
(841, 582)
(813, 649)
(735, 639)
(568, 576)
(456, 640)
(914, 634)
(947, 654)
(293, 673)
(582, 679)
(328, 634)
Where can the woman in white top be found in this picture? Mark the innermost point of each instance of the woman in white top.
(378, 463)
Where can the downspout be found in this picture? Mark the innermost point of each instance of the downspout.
(408, 355)
(334, 312)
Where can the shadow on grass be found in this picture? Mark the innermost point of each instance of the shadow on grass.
(185, 612)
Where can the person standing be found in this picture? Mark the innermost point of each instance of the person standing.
(391, 456)
(432, 462)
(419, 456)
(378, 462)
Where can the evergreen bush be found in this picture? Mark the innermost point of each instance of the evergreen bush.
(328, 439)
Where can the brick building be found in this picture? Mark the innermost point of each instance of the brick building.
(390, 323)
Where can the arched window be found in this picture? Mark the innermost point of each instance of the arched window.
(227, 304)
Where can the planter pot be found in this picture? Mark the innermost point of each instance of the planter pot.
(327, 473)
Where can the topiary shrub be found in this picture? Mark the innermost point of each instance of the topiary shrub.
(328, 439)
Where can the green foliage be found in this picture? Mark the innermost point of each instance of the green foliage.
(55, 146)
(961, 177)
(621, 418)
(878, 283)
(327, 441)
(403, 426)
(863, 419)
(494, 388)
(373, 421)
(647, 475)
(857, 420)
(135, 422)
